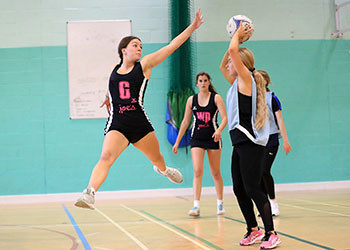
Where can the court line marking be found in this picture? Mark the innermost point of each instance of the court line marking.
(139, 243)
(77, 229)
(314, 210)
(316, 202)
(287, 235)
(183, 230)
(165, 226)
(73, 239)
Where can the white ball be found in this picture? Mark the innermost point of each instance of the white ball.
(233, 25)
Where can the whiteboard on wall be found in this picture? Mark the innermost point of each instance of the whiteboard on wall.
(92, 55)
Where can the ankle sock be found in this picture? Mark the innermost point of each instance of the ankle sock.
(196, 203)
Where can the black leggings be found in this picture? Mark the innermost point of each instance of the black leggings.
(247, 169)
(270, 156)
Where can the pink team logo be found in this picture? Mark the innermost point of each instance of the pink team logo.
(203, 116)
(124, 90)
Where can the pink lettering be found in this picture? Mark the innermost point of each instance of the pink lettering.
(122, 109)
(124, 90)
(202, 126)
(203, 116)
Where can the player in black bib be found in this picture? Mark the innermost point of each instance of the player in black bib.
(128, 122)
(206, 136)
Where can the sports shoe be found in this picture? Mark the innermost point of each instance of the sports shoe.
(270, 241)
(251, 237)
(173, 174)
(194, 211)
(87, 199)
(274, 208)
(221, 210)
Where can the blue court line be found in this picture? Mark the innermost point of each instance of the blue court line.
(77, 229)
(182, 230)
(287, 235)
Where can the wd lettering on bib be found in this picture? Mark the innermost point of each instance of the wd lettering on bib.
(203, 116)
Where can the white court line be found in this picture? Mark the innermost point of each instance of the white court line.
(139, 243)
(315, 210)
(317, 202)
(166, 227)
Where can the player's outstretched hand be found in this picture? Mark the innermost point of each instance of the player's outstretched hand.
(198, 20)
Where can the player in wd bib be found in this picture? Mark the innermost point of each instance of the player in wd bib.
(206, 136)
(128, 122)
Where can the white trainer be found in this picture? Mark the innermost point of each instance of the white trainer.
(194, 211)
(221, 210)
(173, 174)
(87, 199)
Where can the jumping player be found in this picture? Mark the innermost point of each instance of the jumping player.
(128, 122)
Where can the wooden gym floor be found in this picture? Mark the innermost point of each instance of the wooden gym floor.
(308, 220)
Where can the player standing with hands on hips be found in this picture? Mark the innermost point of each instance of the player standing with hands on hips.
(128, 122)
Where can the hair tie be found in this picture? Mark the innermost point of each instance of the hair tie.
(252, 70)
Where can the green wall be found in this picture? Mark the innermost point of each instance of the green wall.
(311, 79)
(43, 151)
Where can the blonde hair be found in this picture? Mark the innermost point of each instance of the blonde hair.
(261, 109)
(266, 77)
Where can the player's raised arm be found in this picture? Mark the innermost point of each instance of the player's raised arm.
(152, 60)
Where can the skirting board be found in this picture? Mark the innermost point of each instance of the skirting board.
(153, 193)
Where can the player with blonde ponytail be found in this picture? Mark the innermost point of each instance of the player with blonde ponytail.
(249, 131)
(261, 108)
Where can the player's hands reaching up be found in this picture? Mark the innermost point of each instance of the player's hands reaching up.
(243, 32)
(198, 20)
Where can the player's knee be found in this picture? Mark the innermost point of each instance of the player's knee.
(198, 173)
(106, 157)
(253, 193)
(216, 175)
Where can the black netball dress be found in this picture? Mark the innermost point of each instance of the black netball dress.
(205, 124)
(127, 113)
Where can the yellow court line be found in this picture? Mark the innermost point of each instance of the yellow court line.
(166, 227)
(139, 243)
